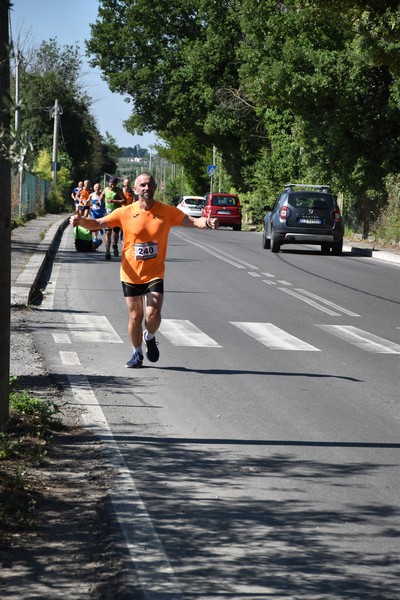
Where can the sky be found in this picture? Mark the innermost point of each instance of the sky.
(68, 21)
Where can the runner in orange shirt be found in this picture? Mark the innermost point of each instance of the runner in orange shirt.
(127, 192)
(145, 225)
(83, 197)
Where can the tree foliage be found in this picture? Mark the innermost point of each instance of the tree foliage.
(285, 90)
(53, 72)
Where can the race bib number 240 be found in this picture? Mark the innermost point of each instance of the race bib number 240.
(145, 251)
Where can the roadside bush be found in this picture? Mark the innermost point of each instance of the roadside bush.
(387, 227)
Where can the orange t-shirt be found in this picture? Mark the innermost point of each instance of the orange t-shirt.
(145, 239)
(128, 195)
(83, 196)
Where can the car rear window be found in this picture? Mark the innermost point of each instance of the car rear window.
(224, 201)
(194, 201)
(311, 200)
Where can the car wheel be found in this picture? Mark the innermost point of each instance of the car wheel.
(275, 245)
(237, 228)
(325, 248)
(337, 248)
(266, 243)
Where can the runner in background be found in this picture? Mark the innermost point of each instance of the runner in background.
(96, 207)
(75, 192)
(113, 198)
(83, 199)
(128, 192)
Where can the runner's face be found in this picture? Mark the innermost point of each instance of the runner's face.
(145, 186)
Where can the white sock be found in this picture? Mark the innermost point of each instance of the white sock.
(148, 336)
(138, 349)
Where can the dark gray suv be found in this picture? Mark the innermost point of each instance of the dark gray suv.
(304, 214)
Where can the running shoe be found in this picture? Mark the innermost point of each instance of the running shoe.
(136, 361)
(108, 256)
(152, 352)
(115, 249)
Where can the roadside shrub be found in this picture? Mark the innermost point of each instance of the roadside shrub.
(387, 227)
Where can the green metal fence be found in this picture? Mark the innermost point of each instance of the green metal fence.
(29, 195)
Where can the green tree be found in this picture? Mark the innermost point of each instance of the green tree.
(268, 83)
(54, 72)
(176, 74)
(322, 62)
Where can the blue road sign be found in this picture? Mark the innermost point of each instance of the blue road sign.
(211, 170)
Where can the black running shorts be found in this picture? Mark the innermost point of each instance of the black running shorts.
(140, 289)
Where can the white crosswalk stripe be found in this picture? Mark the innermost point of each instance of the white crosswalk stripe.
(181, 332)
(69, 359)
(362, 339)
(273, 337)
(61, 338)
(92, 329)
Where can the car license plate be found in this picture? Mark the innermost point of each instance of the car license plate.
(223, 212)
(308, 221)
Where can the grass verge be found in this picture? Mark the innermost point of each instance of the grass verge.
(23, 448)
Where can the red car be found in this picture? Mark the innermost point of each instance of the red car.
(225, 207)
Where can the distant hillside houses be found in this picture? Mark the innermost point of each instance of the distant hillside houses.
(134, 154)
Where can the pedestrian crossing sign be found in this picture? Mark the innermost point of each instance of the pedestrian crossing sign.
(211, 170)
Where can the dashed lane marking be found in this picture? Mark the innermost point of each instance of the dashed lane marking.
(283, 282)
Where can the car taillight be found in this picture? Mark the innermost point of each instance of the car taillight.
(284, 213)
(336, 215)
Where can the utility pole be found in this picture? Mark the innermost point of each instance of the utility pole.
(17, 117)
(5, 218)
(57, 112)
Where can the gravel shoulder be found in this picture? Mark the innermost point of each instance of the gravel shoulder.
(71, 549)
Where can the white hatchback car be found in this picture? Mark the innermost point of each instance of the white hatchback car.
(191, 205)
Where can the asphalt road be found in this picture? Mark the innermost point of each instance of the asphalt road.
(259, 457)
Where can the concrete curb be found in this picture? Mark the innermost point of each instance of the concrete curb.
(372, 253)
(24, 286)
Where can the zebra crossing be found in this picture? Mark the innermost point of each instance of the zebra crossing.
(184, 333)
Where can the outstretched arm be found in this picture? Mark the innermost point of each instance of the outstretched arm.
(87, 223)
(200, 223)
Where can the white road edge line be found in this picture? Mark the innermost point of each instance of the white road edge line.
(152, 566)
